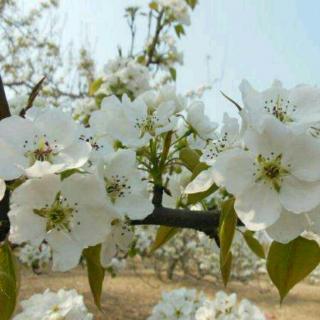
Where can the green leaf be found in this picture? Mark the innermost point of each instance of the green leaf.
(173, 73)
(254, 244)
(179, 30)
(194, 198)
(96, 272)
(9, 282)
(192, 3)
(226, 269)
(164, 234)
(189, 157)
(288, 264)
(153, 5)
(228, 223)
(68, 173)
(94, 86)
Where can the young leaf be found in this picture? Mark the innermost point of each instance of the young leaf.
(173, 73)
(228, 223)
(153, 5)
(179, 30)
(288, 264)
(96, 272)
(189, 157)
(254, 244)
(9, 282)
(226, 269)
(94, 86)
(192, 3)
(164, 234)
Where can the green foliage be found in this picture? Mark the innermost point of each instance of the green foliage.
(153, 5)
(254, 244)
(94, 86)
(164, 234)
(179, 30)
(192, 3)
(288, 264)
(9, 282)
(173, 73)
(190, 158)
(228, 223)
(96, 272)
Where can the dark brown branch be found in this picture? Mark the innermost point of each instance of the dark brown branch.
(205, 221)
(4, 203)
(152, 49)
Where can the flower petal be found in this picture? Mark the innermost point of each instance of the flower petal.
(26, 226)
(202, 182)
(288, 227)
(299, 196)
(234, 170)
(258, 207)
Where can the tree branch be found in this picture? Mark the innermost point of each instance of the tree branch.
(4, 203)
(205, 221)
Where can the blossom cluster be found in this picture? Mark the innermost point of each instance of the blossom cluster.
(187, 304)
(273, 168)
(35, 257)
(65, 304)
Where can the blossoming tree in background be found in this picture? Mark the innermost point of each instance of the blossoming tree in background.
(136, 153)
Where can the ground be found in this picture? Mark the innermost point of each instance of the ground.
(132, 295)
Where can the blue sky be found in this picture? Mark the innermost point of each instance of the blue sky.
(255, 39)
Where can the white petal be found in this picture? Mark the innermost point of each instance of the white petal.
(135, 206)
(66, 251)
(122, 162)
(274, 138)
(304, 155)
(258, 207)
(299, 196)
(58, 126)
(26, 226)
(2, 189)
(84, 189)
(202, 182)
(88, 219)
(36, 193)
(75, 156)
(42, 168)
(288, 227)
(234, 170)
(108, 251)
(15, 130)
(12, 161)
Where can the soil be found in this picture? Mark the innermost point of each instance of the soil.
(131, 295)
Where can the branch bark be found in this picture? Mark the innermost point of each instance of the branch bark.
(205, 221)
(4, 203)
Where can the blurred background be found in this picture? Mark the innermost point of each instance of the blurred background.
(227, 41)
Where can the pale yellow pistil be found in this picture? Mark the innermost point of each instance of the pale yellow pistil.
(271, 170)
(58, 215)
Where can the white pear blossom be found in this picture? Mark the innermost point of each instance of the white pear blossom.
(130, 122)
(200, 122)
(65, 304)
(177, 10)
(176, 185)
(125, 188)
(117, 242)
(279, 172)
(2, 188)
(177, 304)
(70, 215)
(124, 76)
(166, 94)
(45, 142)
(298, 108)
(83, 108)
(228, 138)
(37, 257)
(101, 145)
